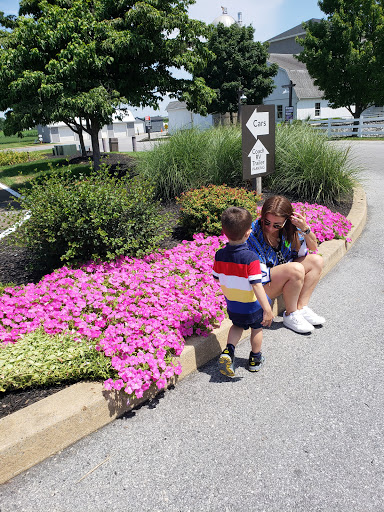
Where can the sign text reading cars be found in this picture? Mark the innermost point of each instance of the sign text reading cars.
(258, 140)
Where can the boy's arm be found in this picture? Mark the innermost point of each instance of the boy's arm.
(261, 296)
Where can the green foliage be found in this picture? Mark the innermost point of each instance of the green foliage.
(3, 286)
(201, 208)
(18, 175)
(194, 158)
(343, 53)
(94, 217)
(9, 157)
(40, 359)
(240, 64)
(24, 138)
(83, 58)
(309, 168)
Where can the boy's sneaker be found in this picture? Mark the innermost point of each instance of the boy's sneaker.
(254, 364)
(311, 317)
(297, 322)
(227, 363)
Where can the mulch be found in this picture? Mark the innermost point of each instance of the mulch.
(15, 267)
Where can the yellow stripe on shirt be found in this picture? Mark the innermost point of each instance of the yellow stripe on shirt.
(238, 295)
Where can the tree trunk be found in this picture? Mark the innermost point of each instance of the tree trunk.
(356, 115)
(78, 128)
(82, 145)
(95, 146)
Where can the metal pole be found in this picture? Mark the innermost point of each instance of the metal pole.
(134, 147)
(258, 185)
(239, 107)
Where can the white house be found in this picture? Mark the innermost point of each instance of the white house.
(179, 117)
(122, 129)
(307, 99)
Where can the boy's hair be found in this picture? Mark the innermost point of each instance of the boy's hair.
(235, 222)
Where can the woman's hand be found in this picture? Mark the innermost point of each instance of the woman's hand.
(299, 221)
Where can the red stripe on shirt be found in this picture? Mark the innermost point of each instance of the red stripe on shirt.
(237, 269)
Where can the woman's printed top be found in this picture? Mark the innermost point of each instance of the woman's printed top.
(270, 257)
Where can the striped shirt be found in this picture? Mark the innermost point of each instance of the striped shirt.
(237, 269)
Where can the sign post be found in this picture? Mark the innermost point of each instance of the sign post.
(258, 142)
(148, 125)
(288, 114)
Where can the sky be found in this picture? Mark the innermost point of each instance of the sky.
(268, 18)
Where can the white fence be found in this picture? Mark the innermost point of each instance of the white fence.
(362, 127)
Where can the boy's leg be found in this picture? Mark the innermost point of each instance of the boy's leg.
(234, 335)
(256, 359)
(227, 357)
(256, 340)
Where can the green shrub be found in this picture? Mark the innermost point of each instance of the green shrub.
(310, 168)
(40, 359)
(201, 208)
(194, 158)
(10, 157)
(93, 217)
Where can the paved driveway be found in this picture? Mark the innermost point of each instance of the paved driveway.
(306, 434)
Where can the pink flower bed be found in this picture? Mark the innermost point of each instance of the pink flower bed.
(138, 311)
(324, 223)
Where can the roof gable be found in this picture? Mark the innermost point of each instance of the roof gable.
(298, 73)
(292, 32)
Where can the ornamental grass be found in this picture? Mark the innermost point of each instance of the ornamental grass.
(309, 167)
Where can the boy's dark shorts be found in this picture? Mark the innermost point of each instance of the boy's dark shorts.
(255, 325)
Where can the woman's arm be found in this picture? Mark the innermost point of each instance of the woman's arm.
(300, 222)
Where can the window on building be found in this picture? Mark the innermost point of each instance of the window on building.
(317, 109)
(279, 111)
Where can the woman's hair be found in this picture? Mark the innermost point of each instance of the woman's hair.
(235, 222)
(281, 207)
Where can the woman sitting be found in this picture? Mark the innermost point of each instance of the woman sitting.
(282, 240)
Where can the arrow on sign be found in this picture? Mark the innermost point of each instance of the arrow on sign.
(258, 123)
(258, 156)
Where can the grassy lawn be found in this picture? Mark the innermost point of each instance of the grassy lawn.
(20, 175)
(13, 141)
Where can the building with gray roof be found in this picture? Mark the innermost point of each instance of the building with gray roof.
(295, 94)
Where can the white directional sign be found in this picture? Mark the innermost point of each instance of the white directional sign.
(258, 156)
(258, 123)
(258, 140)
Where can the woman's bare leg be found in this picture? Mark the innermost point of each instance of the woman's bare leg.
(296, 281)
(313, 265)
(287, 279)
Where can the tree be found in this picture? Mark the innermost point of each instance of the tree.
(82, 58)
(239, 67)
(344, 55)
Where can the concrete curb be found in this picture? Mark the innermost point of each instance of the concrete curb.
(44, 428)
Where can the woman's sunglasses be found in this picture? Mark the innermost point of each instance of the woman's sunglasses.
(276, 226)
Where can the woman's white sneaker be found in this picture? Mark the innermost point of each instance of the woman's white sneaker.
(297, 322)
(311, 317)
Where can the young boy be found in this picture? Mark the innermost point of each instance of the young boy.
(238, 270)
